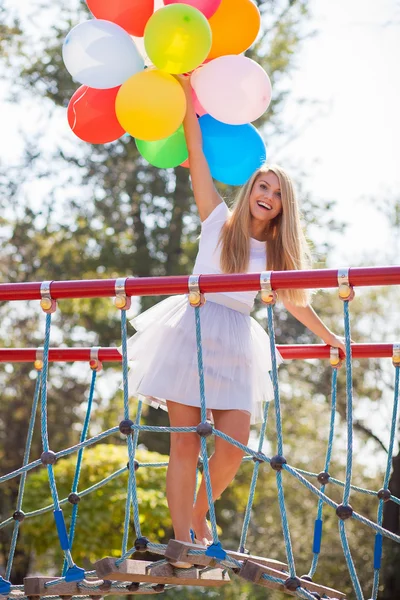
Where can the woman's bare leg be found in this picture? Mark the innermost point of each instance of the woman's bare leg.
(181, 474)
(223, 465)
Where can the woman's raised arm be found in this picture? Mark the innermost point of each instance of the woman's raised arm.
(204, 191)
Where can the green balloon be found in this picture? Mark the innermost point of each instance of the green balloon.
(167, 153)
(177, 38)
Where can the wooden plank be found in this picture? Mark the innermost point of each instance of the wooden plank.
(252, 571)
(177, 550)
(35, 587)
(166, 573)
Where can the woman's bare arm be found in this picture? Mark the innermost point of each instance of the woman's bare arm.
(205, 193)
(308, 317)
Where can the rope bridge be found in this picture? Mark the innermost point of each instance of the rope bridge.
(211, 565)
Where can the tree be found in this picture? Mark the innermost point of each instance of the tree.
(109, 214)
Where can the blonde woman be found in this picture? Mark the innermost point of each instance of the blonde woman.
(262, 232)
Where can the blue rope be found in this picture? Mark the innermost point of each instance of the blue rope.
(133, 487)
(279, 482)
(45, 509)
(332, 421)
(132, 495)
(253, 484)
(378, 536)
(44, 431)
(319, 521)
(203, 443)
(58, 515)
(259, 456)
(125, 534)
(349, 560)
(275, 382)
(349, 402)
(78, 466)
(21, 489)
(94, 440)
(29, 440)
(349, 463)
(393, 427)
(249, 506)
(377, 528)
(84, 434)
(124, 364)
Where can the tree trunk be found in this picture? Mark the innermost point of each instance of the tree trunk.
(391, 557)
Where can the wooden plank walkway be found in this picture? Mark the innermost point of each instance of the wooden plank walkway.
(166, 573)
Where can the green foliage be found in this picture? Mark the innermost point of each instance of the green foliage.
(101, 513)
(110, 214)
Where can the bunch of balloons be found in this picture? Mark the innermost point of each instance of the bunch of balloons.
(121, 94)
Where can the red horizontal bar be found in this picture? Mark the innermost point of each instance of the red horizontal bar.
(288, 352)
(239, 282)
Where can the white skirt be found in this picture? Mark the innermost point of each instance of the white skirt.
(236, 357)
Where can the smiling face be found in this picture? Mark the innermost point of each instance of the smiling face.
(265, 198)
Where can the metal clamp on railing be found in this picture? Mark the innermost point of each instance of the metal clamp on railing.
(396, 355)
(196, 298)
(94, 362)
(47, 303)
(121, 300)
(268, 295)
(334, 358)
(38, 364)
(346, 292)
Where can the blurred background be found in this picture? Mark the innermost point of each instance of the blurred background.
(71, 210)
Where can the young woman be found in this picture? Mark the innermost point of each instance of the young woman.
(262, 232)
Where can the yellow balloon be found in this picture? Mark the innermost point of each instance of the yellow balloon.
(177, 38)
(150, 105)
(234, 26)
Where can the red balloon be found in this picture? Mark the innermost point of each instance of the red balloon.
(207, 7)
(132, 15)
(91, 115)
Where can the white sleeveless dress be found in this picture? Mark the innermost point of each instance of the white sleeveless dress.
(236, 349)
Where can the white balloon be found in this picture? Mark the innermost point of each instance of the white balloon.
(233, 89)
(101, 54)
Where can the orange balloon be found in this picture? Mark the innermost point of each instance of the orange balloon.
(234, 26)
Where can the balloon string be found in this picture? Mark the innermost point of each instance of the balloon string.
(73, 106)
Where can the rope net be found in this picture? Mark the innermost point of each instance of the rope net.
(284, 577)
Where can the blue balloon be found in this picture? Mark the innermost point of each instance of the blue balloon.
(233, 152)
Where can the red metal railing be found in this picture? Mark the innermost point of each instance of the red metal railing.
(154, 286)
(288, 352)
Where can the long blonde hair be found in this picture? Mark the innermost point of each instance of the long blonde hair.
(287, 248)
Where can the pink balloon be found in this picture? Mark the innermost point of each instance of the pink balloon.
(185, 164)
(197, 106)
(207, 7)
(233, 89)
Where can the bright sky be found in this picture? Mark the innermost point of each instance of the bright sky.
(348, 144)
(351, 150)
